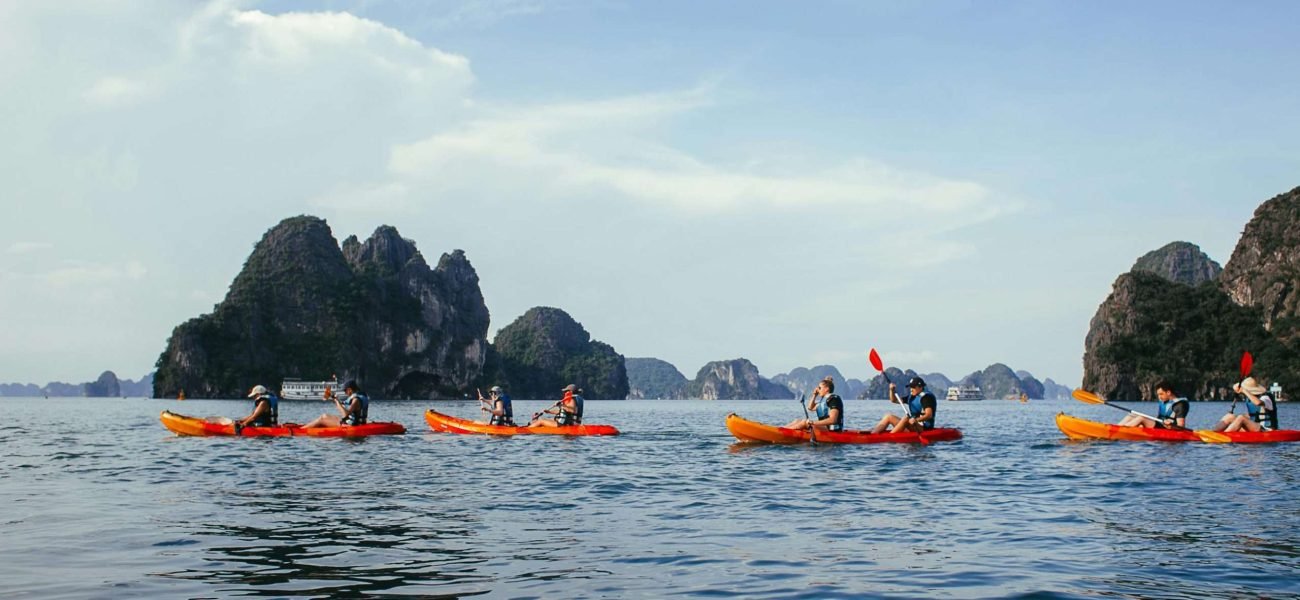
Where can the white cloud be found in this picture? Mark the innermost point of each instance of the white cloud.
(113, 92)
(75, 273)
(28, 247)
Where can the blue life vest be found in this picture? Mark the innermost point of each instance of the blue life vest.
(915, 409)
(824, 411)
(267, 419)
(505, 419)
(358, 416)
(1266, 416)
(571, 418)
(1165, 410)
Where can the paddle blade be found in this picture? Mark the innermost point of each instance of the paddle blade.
(1247, 361)
(1087, 397)
(874, 357)
(1212, 437)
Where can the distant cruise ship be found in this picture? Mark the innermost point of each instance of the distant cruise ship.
(296, 389)
(964, 393)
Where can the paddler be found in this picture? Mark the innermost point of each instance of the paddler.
(568, 411)
(266, 409)
(355, 413)
(1170, 410)
(1261, 409)
(921, 406)
(500, 409)
(828, 407)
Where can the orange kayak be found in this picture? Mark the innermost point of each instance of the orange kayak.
(1083, 429)
(449, 424)
(753, 431)
(183, 425)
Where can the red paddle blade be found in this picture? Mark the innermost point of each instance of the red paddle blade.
(1247, 361)
(875, 360)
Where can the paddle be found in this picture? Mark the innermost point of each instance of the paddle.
(874, 357)
(539, 413)
(812, 429)
(1247, 361)
(1090, 398)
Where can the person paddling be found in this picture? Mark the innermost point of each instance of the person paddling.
(1261, 410)
(568, 411)
(828, 406)
(921, 407)
(500, 409)
(356, 412)
(266, 409)
(1171, 411)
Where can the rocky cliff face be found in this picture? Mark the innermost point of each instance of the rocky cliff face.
(106, 386)
(545, 350)
(304, 307)
(1264, 271)
(803, 381)
(1150, 329)
(654, 378)
(736, 379)
(996, 381)
(1179, 262)
(1055, 391)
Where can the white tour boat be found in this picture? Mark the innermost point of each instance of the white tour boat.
(964, 393)
(297, 389)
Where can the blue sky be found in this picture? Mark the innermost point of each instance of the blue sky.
(953, 183)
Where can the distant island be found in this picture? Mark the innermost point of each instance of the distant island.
(107, 385)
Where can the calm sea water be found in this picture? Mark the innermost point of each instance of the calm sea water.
(99, 501)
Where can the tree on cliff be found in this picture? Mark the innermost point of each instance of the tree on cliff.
(545, 349)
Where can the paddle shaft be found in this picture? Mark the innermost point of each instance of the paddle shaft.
(812, 429)
(539, 413)
(1247, 361)
(1134, 412)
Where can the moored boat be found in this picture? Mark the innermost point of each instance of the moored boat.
(964, 393)
(1083, 429)
(297, 389)
(752, 431)
(448, 424)
(185, 425)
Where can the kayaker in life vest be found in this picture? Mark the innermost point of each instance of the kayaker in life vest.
(921, 407)
(829, 409)
(355, 413)
(502, 413)
(266, 409)
(1261, 410)
(568, 411)
(1170, 410)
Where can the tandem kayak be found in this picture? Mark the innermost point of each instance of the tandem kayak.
(449, 424)
(183, 425)
(752, 431)
(1083, 429)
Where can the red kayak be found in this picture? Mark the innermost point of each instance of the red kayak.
(183, 425)
(753, 431)
(1083, 429)
(449, 424)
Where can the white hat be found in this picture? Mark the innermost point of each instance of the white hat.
(496, 389)
(1250, 385)
(257, 390)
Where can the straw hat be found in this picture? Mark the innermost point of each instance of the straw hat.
(1253, 387)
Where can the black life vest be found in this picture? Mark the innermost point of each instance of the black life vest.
(571, 418)
(507, 418)
(270, 419)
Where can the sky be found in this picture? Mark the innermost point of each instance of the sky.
(952, 183)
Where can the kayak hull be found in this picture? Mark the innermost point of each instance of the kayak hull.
(752, 431)
(449, 424)
(194, 426)
(1083, 429)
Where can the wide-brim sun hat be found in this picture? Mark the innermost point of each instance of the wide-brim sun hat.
(1250, 385)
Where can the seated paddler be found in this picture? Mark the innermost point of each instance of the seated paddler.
(828, 407)
(498, 407)
(356, 411)
(566, 412)
(921, 407)
(266, 409)
(1171, 411)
